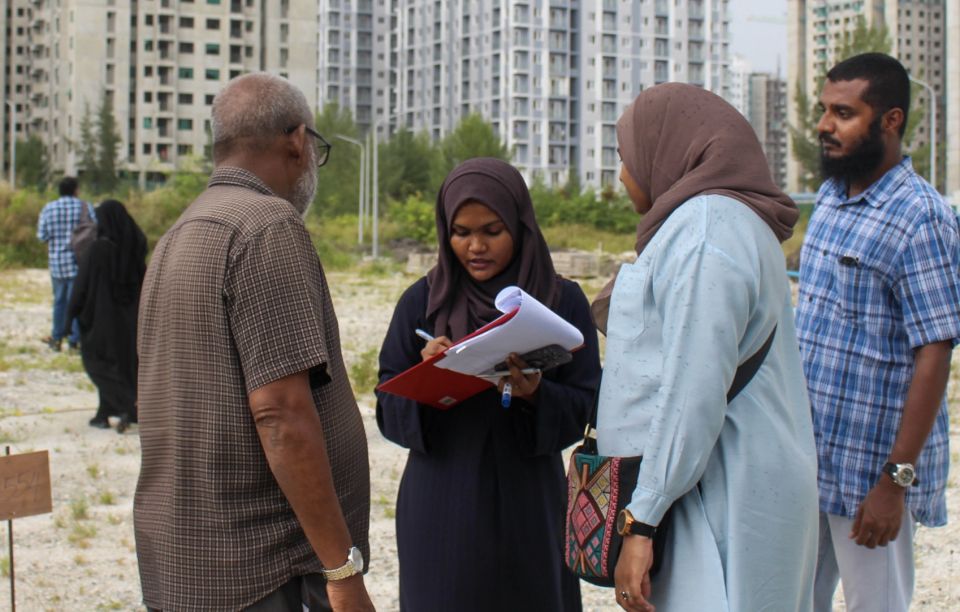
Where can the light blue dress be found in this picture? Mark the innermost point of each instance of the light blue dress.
(702, 298)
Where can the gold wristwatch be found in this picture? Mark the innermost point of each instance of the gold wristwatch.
(627, 525)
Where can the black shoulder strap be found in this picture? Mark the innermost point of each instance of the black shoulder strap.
(741, 378)
(749, 368)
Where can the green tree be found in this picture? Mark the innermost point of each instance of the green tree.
(33, 166)
(473, 137)
(804, 139)
(108, 145)
(407, 164)
(338, 185)
(87, 145)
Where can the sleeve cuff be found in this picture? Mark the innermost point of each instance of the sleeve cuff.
(648, 506)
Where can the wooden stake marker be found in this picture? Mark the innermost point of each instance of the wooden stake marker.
(24, 491)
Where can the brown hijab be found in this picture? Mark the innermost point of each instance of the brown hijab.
(457, 305)
(678, 141)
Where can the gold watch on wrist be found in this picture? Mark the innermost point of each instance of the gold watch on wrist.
(627, 525)
(353, 566)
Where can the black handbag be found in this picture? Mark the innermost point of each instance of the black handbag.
(599, 487)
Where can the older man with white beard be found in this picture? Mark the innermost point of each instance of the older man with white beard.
(254, 489)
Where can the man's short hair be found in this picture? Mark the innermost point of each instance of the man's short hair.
(888, 82)
(68, 186)
(252, 110)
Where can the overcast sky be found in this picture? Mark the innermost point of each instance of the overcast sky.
(758, 31)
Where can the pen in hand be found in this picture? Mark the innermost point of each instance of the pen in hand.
(423, 334)
(505, 398)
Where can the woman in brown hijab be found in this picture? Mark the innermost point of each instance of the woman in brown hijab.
(708, 290)
(481, 505)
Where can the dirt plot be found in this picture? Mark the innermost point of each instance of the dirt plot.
(83, 557)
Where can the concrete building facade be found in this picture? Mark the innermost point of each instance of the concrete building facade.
(766, 103)
(158, 63)
(551, 76)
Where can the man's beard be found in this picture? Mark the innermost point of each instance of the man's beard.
(304, 190)
(859, 163)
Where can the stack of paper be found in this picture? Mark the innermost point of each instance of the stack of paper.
(532, 327)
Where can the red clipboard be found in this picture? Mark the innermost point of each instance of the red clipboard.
(438, 387)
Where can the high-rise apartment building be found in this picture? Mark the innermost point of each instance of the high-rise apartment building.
(739, 83)
(917, 28)
(15, 51)
(552, 76)
(766, 110)
(158, 63)
(346, 56)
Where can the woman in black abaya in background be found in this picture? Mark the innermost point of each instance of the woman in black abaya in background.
(105, 298)
(482, 501)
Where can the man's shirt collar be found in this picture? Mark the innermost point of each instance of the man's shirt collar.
(835, 191)
(238, 177)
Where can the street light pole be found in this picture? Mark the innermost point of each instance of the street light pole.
(361, 208)
(13, 145)
(933, 130)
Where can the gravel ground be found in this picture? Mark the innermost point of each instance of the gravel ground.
(82, 556)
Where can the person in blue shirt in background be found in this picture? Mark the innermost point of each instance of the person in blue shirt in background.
(57, 220)
(878, 315)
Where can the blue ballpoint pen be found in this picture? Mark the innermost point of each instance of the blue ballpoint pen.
(423, 334)
(505, 398)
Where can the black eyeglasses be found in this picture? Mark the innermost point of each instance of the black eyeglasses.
(323, 147)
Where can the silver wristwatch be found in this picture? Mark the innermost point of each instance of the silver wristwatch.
(903, 474)
(354, 565)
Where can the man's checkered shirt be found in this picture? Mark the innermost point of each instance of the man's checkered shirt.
(878, 279)
(57, 220)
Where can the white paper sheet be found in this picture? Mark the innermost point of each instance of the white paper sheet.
(533, 327)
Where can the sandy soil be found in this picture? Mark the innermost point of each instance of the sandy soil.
(82, 556)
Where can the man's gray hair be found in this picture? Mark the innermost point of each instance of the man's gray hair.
(252, 110)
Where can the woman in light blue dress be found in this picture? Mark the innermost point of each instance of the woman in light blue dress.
(708, 288)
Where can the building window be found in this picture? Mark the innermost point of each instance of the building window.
(148, 123)
(213, 49)
(212, 74)
(184, 98)
(186, 22)
(213, 24)
(184, 124)
(186, 47)
(185, 73)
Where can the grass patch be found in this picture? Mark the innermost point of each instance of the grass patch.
(81, 535)
(114, 519)
(587, 238)
(93, 470)
(15, 289)
(79, 560)
(80, 509)
(8, 437)
(5, 566)
(363, 372)
(107, 498)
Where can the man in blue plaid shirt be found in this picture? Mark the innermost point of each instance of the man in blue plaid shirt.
(877, 319)
(57, 220)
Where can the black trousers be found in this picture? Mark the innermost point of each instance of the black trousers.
(309, 591)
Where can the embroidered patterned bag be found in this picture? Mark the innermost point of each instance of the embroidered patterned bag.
(598, 487)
